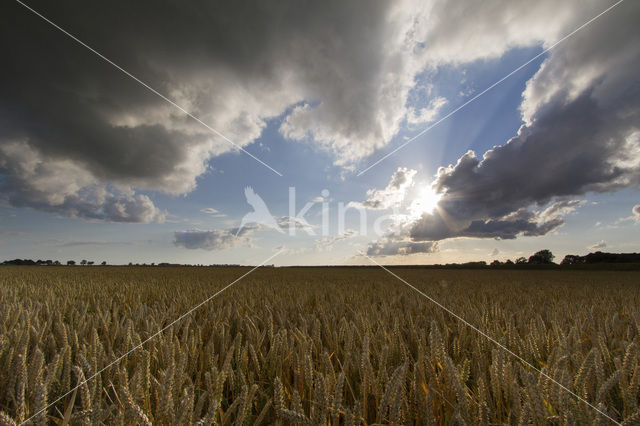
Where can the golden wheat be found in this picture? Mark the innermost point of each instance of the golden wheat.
(346, 346)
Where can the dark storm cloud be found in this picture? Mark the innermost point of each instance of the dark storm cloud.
(569, 150)
(509, 229)
(581, 134)
(436, 226)
(233, 64)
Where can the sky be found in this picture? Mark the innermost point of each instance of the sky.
(313, 133)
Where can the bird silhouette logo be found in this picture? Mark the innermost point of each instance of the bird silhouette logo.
(260, 214)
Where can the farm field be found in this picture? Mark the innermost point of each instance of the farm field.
(317, 346)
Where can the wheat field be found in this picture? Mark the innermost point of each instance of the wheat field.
(317, 346)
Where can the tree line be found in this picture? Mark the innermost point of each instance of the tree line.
(48, 262)
(542, 257)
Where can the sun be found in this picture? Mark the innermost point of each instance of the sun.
(425, 202)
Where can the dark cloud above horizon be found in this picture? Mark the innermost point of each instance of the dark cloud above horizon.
(581, 135)
(234, 65)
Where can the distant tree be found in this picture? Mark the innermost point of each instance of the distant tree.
(521, 261)
(83, 262)
(49, 262)
(600, 257)
(71, 262)
(496, 263)
(27, 262)
(56, 262)
(509, 262)
(104, 263)
(91, 262)
(542, 257)
(572, 259)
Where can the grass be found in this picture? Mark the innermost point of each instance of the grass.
(317, 346)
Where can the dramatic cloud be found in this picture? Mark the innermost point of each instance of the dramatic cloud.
(440, 225)
(391, 247)
(365, 97)
(581, 112)
(581, 134)
(61, 186)
(430, 227)
(393, 194)
(341, 74)
(598, 246)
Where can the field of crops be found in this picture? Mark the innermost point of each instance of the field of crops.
(317, 346)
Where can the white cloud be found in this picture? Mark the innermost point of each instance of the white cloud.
(428, 113)
(635, 215)
(213, 212)
(62, 186)
(328, 242)
(286, 222)
(392, 194)
(598, 246)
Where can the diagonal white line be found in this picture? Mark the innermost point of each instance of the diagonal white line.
(482, 333)
(491, 87)
(151, 89)
(121, 357)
